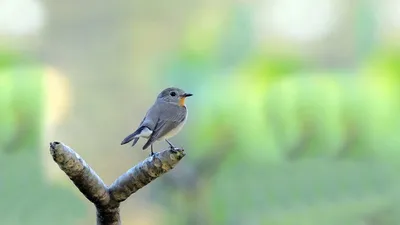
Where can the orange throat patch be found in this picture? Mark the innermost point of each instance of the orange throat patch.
(182, 101)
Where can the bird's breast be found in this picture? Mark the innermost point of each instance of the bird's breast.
(176, 130)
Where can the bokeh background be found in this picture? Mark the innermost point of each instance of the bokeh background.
(294, 119)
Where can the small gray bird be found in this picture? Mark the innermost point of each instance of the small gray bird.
(163, 120)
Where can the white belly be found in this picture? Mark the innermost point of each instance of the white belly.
(146, 132)
(175, 131)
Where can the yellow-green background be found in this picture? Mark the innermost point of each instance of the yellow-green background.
(295, 117)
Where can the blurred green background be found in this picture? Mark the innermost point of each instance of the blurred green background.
(294, 118)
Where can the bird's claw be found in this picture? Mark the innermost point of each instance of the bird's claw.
(175, 149)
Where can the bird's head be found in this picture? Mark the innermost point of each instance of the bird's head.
(174, 95)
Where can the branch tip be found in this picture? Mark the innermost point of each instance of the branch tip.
(145, 172)
(107, 199)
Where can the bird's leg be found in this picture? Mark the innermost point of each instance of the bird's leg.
(151, 150)
(171, 145)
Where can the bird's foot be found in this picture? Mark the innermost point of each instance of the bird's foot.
(151, 154)
(175, 149)
(171, 146)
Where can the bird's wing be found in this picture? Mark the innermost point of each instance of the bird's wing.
(146, 123)
(132, 136)
(167, 121)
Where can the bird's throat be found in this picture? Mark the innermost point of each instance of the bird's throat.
(182, 101)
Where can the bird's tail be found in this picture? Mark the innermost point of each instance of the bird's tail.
(133, 137)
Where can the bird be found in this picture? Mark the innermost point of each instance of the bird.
(163, 120)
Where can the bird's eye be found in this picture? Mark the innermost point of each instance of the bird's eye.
(173, 93)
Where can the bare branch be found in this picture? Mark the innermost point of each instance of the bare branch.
(108, 215)
(84, 177)
(145, 172)
(107, 199)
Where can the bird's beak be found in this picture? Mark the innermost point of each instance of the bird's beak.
(183, 97)
(186, 95)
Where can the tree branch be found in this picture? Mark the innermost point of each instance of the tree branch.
(143, 173)
(84, 177)
(107, 199)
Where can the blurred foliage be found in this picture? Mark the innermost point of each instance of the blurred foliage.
(27, 197)
(21, 95)
(273, 142)
(299, 148)
(270, 139)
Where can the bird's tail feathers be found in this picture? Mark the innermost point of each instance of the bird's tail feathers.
(132, 136)
(135, 140)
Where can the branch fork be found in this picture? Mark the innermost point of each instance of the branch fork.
(107, 199)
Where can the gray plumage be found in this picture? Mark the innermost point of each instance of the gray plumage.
(163, 120)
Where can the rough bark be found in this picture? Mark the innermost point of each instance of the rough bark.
(107, 199)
